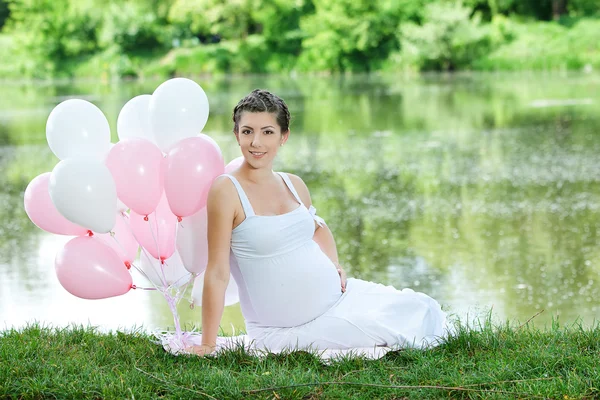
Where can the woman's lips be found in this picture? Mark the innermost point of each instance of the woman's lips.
(257, 154)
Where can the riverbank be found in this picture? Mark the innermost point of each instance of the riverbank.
(501, 45)
(508, 361)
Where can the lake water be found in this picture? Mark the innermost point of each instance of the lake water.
(480, 190)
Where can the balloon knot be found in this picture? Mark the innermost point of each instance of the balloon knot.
(128, 264)
(133, 287)
(90, 233)
(179, 219)
(162, 260)
(192, 305)
(146, 218)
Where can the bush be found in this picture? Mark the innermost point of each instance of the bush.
(448, 39)
(548, 46)
(130, 28)
(48, 32)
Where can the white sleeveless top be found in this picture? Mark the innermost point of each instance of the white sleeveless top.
(284, 278)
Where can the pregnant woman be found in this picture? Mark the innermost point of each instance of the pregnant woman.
(293, 292)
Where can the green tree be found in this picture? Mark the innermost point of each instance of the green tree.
(584, 8)
(4, 12)
(134, 26)
(48, 32)
(352, 35)
(449, 39)
(221, 19)
(538, 9)
(263, 35)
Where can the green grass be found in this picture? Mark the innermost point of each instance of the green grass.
(491, 361)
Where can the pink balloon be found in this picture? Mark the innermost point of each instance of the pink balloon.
(88, 268)
(212, 141)
(234, 164)
(192, 165)
(43, 213)
(157, 234)
(136, 165)
(121, 240)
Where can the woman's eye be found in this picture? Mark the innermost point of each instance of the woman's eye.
(268, 132)
(245, 132)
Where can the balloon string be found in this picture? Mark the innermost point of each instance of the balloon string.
(162, 262)
(140, 270)
(185, 286)
(172, 300)
(114, 236)
(143, 288)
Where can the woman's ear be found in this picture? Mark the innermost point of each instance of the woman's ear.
(237, 137)
(285, 136)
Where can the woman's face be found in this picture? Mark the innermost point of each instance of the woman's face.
(260, 137)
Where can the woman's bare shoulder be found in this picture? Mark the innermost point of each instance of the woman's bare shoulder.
(222, 192)
(301, 188)
(296, 180)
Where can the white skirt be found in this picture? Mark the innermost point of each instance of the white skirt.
(367, 315)
(370, 319)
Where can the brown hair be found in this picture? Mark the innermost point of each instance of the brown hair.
(263, 101)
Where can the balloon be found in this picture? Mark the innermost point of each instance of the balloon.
(192, 165)
(77, 128)
(121, 240)
(178, 109)
(121, 207)
(133, 120)
(170, 273)
(213, 142)
(136, 166)
(86, 267)
(158, 239)
(84, 192)
(41, 211)
(192, 242)
(231, 293)
(234, 164)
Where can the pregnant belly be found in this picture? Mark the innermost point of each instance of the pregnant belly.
(293, 289)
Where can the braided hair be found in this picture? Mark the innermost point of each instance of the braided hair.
(263, 101)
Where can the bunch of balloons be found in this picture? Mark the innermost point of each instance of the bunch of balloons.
(146, 193)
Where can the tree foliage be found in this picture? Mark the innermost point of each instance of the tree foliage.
(276, 35)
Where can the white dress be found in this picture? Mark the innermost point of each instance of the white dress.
(290, 292)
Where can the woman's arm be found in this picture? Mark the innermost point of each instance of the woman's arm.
(323, 235)
(221, 213)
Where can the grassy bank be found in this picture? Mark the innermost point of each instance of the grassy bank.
(492, 362)
(504, 45)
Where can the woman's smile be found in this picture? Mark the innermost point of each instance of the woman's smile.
(257, 154)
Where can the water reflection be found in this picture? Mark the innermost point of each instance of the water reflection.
(479, 190)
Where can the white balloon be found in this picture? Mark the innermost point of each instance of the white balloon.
(84, 192)
(77, 128)
(192, 242)
(231, 293)
(134, 120)
(178, 110)
(171, 272)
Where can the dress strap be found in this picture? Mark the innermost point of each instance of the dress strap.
(290, 186)
(313, 211)
(248, 210)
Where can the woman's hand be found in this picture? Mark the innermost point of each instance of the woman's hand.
(201, 350)
(342, 273)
